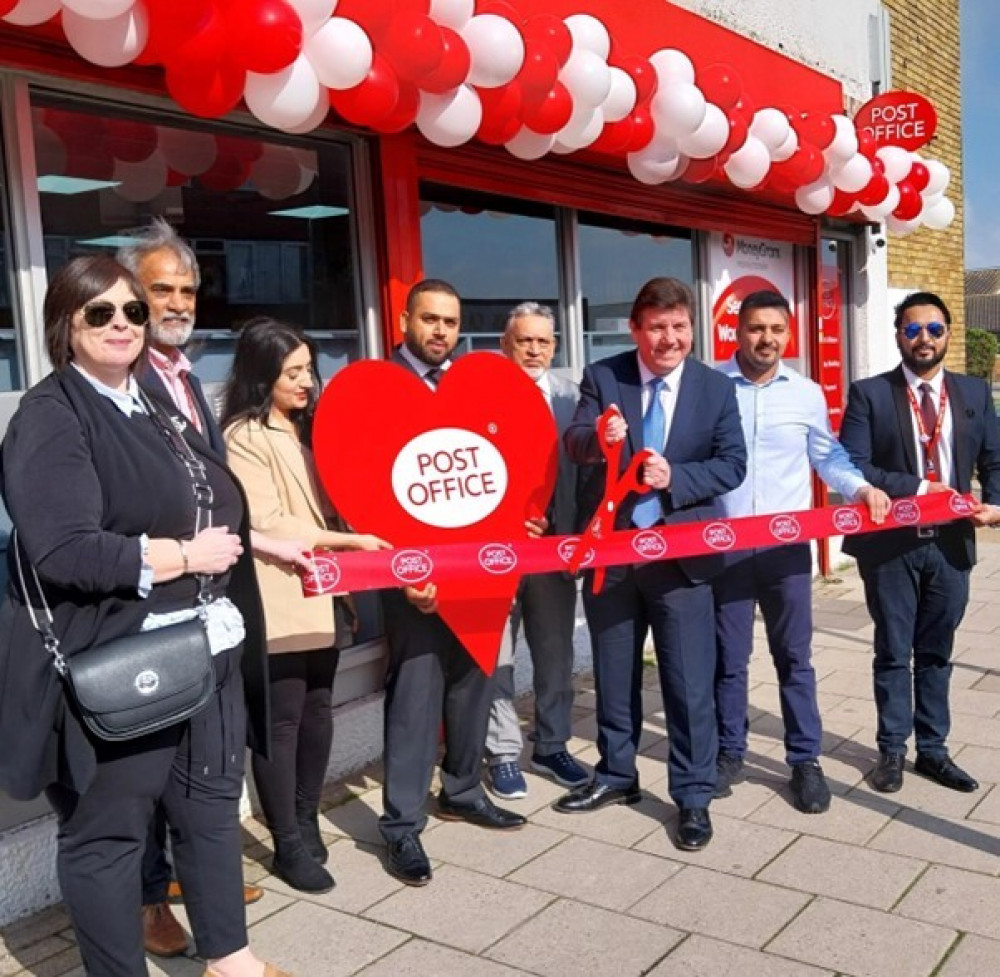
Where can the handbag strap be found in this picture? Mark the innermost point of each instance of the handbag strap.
(42, 623)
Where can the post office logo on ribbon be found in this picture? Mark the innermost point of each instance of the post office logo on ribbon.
(785, 528)
(411, 567)
(906, 512)
(567, 548)
(650, 545)
(719, 536)
(846, 520)
(960, 505)
(497, 558)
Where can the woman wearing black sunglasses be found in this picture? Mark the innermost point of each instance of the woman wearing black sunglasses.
(103, 504)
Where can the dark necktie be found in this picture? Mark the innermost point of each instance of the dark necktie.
(929, 418)
(433, 376)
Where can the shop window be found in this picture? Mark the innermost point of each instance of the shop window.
(616, 258)
(497, 253)
(10, 362)
(272, 223)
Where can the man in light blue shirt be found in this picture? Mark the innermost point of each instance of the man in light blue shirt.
(787, 434)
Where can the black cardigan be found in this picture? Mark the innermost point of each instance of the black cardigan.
(81, 482)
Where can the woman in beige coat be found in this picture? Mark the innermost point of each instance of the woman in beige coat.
(266, 418)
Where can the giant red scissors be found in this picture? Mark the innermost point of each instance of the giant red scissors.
(616, 490)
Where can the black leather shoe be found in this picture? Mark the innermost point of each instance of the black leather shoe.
(407, 861)
(694, 828)
(594, 796)
(946, 772)
(483, 813)
(887, 777)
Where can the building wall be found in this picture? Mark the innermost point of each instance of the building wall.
(926, 57)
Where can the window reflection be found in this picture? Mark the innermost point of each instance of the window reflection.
(271, 223)
(10, 364)
(616, 259)
(496, 252)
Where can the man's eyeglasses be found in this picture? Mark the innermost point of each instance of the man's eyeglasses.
(99, 314)
(913, 329)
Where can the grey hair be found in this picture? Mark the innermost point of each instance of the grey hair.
(159, 236)
(530, 308)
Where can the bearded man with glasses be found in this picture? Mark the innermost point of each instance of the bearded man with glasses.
(920, 428)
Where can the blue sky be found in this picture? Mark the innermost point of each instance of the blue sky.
(981, 131)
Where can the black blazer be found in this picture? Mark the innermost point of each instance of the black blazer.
(81, 482)
(877, 432)
(705, 448)
(152, 383)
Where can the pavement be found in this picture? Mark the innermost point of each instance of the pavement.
(902, 885)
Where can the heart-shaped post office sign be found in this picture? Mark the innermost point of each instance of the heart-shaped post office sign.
(469, 461)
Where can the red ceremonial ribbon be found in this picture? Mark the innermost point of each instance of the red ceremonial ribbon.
(414, 566)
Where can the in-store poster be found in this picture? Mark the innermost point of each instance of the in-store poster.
(737, 266)
(831, 345)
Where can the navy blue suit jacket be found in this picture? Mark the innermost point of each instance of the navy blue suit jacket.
(705, 447)
(878, 434)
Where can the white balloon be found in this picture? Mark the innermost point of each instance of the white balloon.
(940, 215)
(748, 166)
(771, 127)
(672, 66)
(939, 177)
(590, 34)
(787, 148)
(584, 126)
(853, 175)
(28, 13)
(650, 172)
(587, 77)
(709, 138)
(900, 227)
(897, 162)
(660, 149)
(313, 13)
(845, 141)
(678, 108)
(881, 210)
(98, 9)
(110, 43)
(143, 181)
(340, 53)
(450, 119)
(186, 152)
(814, 198)
(276, 173)
(315, 120)
(452, 13)
(286, 98)
(622, 97)
(496, 50)
(530, 145)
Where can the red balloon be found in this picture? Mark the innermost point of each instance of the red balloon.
(783, 177)
(246, 150)
(810, 163)
(643, 75)
(701, 170)
(615, 138)
(739, 129)
(225, 174)
(501, 113)
(414, 45)
(263, 35)
(842, 204)
(131, 141)
(919, 176)
(877, 165)
(874, 191)
(538, 73)
(171, 24)
(910, 202)
(866, 143)
(643, 130)
(206, 89)
(454, 66)
(376, 16)
(744, 106)
(552, 113)
(175, 178)
(817, 128)
(373, 100)
(548, 31)
(720, 84)
(6, 6)
(499, 8)
(405, 112)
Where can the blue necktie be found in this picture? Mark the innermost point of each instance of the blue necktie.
(648, 511)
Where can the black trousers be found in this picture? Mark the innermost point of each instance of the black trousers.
(195, 769)
(431, 678)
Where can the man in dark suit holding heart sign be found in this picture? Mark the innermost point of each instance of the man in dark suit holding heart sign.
(431, 677)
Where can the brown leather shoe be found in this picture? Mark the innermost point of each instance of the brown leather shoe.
(161, 933)
(251, 893)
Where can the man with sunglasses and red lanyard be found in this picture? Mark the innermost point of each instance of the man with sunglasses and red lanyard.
(920, 428)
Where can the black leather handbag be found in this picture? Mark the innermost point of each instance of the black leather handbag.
(139, 683)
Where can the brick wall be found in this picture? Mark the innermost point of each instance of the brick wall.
(926, 58)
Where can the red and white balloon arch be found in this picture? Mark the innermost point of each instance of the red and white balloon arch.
(465, 69)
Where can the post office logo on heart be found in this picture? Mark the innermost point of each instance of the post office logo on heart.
(467, 462)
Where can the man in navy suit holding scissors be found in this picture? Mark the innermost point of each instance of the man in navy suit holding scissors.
(686, 418)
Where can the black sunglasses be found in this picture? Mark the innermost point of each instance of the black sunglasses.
(99, 314)
(913, 329)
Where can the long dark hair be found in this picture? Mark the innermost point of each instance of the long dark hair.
(261, 350)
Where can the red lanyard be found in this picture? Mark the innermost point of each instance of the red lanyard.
(929, 442)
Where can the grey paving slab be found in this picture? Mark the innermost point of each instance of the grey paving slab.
(973, 957)
(854, 819)
(569, 939)
(966, 844)
(988, 808)
(499, 855)
(616, 825)
(981, 761)
(596, 873)
(724, 906)
(951, 897)
(418, 958)
(462, 909)
(307, 938)
(830, 868)
(699, 956)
